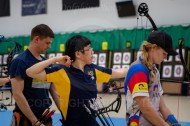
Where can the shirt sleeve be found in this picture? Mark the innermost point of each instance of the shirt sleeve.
(51, 72)
(137, 80)
(102, 74)
(18, 68)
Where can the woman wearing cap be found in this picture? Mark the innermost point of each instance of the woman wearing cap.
(76, 85)
(144, 102)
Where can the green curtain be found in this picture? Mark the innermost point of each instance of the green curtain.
(116, 39)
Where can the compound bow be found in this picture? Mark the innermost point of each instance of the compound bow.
(16, 49)
(99, 112)
(114, 106)
(143, 11)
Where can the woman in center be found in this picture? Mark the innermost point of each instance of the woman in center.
(76, 85)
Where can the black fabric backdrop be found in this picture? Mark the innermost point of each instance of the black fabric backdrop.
(4, 8)
(77, 4)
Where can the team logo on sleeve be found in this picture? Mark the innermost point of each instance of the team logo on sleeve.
(140, 87)
(91, 74)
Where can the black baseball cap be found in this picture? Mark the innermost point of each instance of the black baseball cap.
(163, 40)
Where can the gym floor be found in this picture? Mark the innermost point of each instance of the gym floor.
(178, 105)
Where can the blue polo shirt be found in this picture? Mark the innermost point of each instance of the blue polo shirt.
(35, 91)
(76, 88)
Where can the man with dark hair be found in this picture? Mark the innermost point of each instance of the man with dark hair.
(31, 95)
(76, 85)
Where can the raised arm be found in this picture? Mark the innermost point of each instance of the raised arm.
(38, 70)
(119, 73)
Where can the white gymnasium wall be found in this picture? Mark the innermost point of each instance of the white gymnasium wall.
(163, 12)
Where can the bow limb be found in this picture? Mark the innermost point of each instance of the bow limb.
(16, 49)
(187, 72)
(94, 107)
(143, 11)
(110, 107)
(114, 106)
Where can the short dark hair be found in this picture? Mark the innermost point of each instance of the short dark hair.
(76, 43)
(42, 31)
